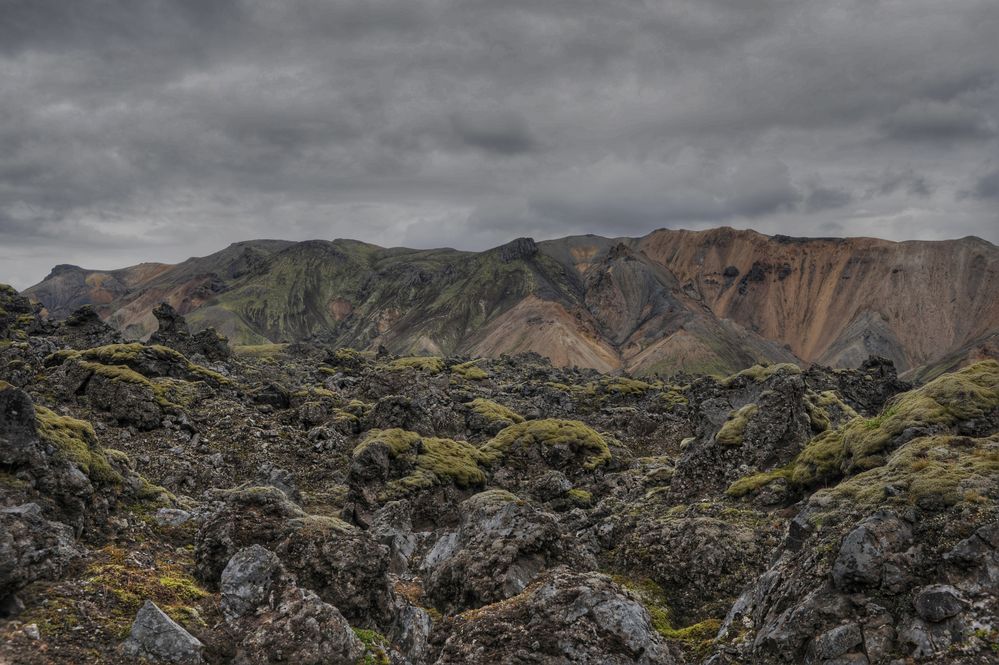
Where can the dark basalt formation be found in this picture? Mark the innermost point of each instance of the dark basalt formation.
(182, 501)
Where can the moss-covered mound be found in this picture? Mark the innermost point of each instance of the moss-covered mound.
(932, 472)
(733, 429)
(76, 442)
(428, 461)
(428, 364)
(758, 373)
(149, 360)
(551, 432)
(939, 407)
(492, 412)
(469, 371)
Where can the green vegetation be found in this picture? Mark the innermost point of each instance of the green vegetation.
(732, 430)
(76, 442)
(428, 364)
(673, 396)
(493, 412)
(116, 577)
(752, 483)
(620, 385)
(760, 373)
(377, 646)
(135, 355)
(470, 371)
(696, 638)
(580, 497)
(436, 460)
(818, 406)
(399, 441)
(551, 432)
(863, 444)
(932, 472)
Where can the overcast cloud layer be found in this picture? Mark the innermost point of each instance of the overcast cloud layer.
(135, 130)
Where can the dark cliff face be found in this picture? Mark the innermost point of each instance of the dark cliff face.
(183, 501)
(708, 301)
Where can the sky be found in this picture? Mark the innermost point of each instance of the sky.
(155, 130)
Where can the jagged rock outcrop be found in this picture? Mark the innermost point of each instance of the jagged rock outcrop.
(276, 621)
(563, 618)
(172, 331)
(502, 544)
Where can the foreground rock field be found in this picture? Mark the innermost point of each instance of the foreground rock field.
(183, 501)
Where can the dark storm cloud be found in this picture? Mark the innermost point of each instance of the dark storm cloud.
(155, 129)
(987, 187)
(824, 198)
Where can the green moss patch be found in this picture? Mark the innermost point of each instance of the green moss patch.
(76, 442)
(933, 473)
(695, 639)
(469, 371)
(863, 444)
(428, 364)
(493, 412)
(733, 429)
(759, 373)
(551, 432)
(753, 483)
(436, 460)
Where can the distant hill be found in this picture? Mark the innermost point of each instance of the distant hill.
(711, 301)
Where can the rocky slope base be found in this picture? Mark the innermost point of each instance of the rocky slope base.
(706, 302)
(182, 501)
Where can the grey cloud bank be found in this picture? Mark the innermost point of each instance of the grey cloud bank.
(136, 130)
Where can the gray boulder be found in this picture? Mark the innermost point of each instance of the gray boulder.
(937, 602)
(501, 546)
(157, 637)
(31, 548)
(867, 549)
(247, 580)
(566, 618)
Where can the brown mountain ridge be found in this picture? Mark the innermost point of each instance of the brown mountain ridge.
(703, 301)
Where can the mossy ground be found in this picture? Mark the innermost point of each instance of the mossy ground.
(695, 640)
(428, 364)
(77, 443)
(864, 444)
(759, 373)
(551, 432)
(437, 460)
(93, 612)
(469, 371)
(494, 412)
(733, 429)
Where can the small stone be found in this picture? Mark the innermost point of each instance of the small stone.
(938, 602)
(171, 516)
(838, 641)
(31, 630)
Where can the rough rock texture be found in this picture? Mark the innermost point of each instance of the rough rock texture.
(276, 621)
(172, 331)
(311, 503)
(32, 548)
(564, 618)
(501, 545)
(157, 637)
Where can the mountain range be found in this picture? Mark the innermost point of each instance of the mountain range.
(711, 301)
